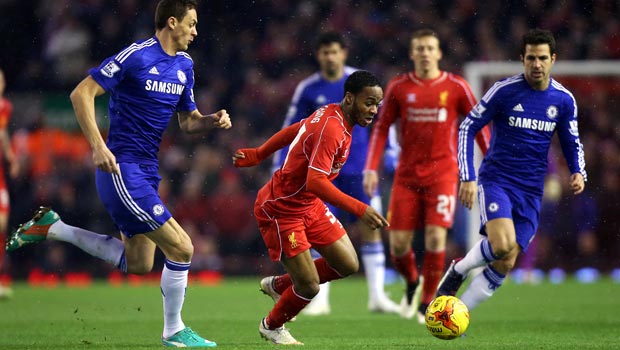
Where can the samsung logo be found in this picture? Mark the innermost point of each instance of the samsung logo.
(533, 124)
(161, 86)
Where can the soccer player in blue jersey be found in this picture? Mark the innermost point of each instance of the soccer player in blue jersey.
(148, 82)
(321, 88)
(526, 111)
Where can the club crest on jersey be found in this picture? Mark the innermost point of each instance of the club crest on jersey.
(181, 76)
(552, 112)
(321, 100)
(158, 209)
(443, 98)
(493, 207)
(477, 111)
(109, 69)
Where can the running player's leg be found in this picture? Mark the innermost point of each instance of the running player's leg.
(439, 204)
(507, 238)
(371, 251)
(404, 215)
(496, 210)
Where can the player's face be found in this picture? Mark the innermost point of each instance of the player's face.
(425, 54)
(331, 59)
(185, 30)
(537, 63)
(366, 105)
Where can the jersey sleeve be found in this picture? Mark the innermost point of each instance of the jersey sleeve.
(387, 115)
(568, 133)
(465, 105)
(482, 113)
(325, 146)
(297, 110)
(114, 69)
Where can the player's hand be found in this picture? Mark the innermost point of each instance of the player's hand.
(105, 160)
(370, 182)
(467, 193)
(245, 157)
(373, 219)
(14, 167)
(577, 183)
(221, 119)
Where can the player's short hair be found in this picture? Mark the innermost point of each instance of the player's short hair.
(538, 37)
(424, 32)
(172, 8)
(360, 79)
(329, 38)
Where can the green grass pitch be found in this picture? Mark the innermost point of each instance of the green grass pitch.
(546, 316)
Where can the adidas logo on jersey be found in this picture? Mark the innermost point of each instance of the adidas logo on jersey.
(154, 70)
(518, 108)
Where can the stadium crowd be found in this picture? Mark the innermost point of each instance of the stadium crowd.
(250, 55)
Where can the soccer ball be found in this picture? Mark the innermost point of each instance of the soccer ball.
(447, 317)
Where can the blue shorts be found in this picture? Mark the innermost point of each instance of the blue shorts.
(522, 208)
(353, 186)
(131, 198)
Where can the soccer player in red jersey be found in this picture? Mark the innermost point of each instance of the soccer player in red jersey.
(427, 103)
(6, 109)
(290, 209)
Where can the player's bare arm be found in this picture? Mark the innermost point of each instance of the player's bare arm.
(374, 219)
(195, 122)
(577, 183)
(370, 182)
(83, 100)
(467, 193)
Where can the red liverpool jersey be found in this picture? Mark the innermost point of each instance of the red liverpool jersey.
(428, 112)
(322, 143)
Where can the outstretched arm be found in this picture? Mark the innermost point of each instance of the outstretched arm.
(83, 100)
(195, 122)
(246, 157)
(319, 184)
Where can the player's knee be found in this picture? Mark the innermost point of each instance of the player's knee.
(349, 268)
(179, 252)
(307, 289)
(503, 247)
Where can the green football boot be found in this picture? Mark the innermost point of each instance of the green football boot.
(187, 338)
(33, 231)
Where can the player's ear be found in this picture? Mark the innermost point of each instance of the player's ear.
(348, 98)
(172, 22)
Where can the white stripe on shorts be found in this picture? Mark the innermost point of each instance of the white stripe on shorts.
(129, 203)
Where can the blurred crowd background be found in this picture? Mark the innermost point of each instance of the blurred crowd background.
(248, 58)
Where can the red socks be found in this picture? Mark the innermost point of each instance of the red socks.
(405, 265)
(289, 305)
(432, 270)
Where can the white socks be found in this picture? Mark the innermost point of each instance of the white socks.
(479, 255)
(173, 285)
(103, 247)
(482, 287)
(373, 258)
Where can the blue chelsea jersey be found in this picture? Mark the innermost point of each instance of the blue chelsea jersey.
(146, 86)
(524, 122)
(313, 93)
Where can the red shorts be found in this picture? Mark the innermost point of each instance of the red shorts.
(292, 235)
(413, 207)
